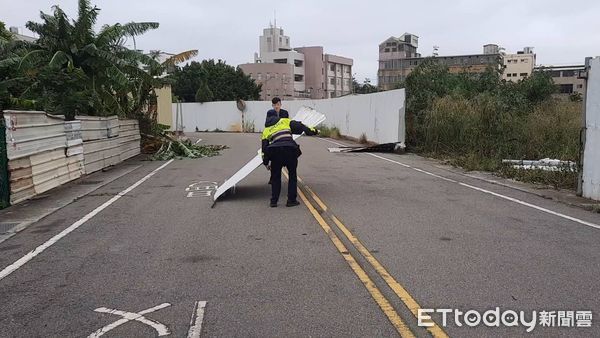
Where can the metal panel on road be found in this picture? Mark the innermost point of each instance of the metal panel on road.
(307, 116)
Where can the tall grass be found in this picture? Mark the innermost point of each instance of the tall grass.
(478, 133)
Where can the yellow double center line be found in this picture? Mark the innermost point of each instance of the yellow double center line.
(377, 295)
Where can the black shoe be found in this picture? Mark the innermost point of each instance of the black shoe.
(292, 203)
(273, 204)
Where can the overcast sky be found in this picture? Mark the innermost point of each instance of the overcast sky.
(561, 31)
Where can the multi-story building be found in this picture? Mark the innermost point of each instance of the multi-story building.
(18, 35)
(327, 75)
(518, 66)
(566, 77)
(305, 72)
(398, 57)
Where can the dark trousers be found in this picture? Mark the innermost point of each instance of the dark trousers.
(283, 157)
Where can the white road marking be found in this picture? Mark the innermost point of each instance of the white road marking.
(197, 318)
(161, 329)
(32, 254)
(577, 220)
(199, 140)
(202, 188)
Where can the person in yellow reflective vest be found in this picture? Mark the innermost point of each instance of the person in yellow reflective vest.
(280, 150)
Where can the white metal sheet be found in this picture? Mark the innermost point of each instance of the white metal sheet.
(591, 159)
(306, 115)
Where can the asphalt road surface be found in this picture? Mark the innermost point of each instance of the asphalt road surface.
(377, 240)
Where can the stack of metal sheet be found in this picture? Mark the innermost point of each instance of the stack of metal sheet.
(129, 139)
(36, 150)
(100, 145)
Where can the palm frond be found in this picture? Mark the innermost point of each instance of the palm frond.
(138, 28)
(180, 57)
(31, 54)
(109, 35)
(60, 58)
(118, 76)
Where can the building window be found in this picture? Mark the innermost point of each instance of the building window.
(514, 74)
(509, 75)
(525, 60)
(568, 73)
(287, 41)
(337, 81)
(523, 74)
(566, 88)
(298, 63)
(298, 78)
(555, 73)
(332, 67)
(394, 49)
(332, 81)
(579, 86)
(387, 50)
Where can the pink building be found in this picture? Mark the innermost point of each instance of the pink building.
(277, 79)
(304, 72)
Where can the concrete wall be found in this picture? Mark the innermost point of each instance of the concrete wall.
(591, 157)
(380, 115)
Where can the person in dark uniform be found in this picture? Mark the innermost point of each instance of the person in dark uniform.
(280, 150)
(276, 111)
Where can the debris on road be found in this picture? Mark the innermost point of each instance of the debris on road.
(185, 148)
(546, 164)
(379, 148)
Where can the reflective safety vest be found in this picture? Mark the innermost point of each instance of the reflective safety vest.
(278, 131)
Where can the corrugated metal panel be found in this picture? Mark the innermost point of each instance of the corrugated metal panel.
(41, 172)
(45, 151)
(74, 140)
(100, 154)
(97, 128)
(49, 170)
(591, 160)
(38, 144)
(21, 180)
(129, 139)
(31, 132)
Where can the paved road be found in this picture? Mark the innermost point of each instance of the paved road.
(376, 238)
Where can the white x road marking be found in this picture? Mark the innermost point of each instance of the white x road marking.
(161, 329)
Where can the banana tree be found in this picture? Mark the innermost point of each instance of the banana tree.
(69, 59)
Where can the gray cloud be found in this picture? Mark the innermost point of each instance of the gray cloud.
(560, 32)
